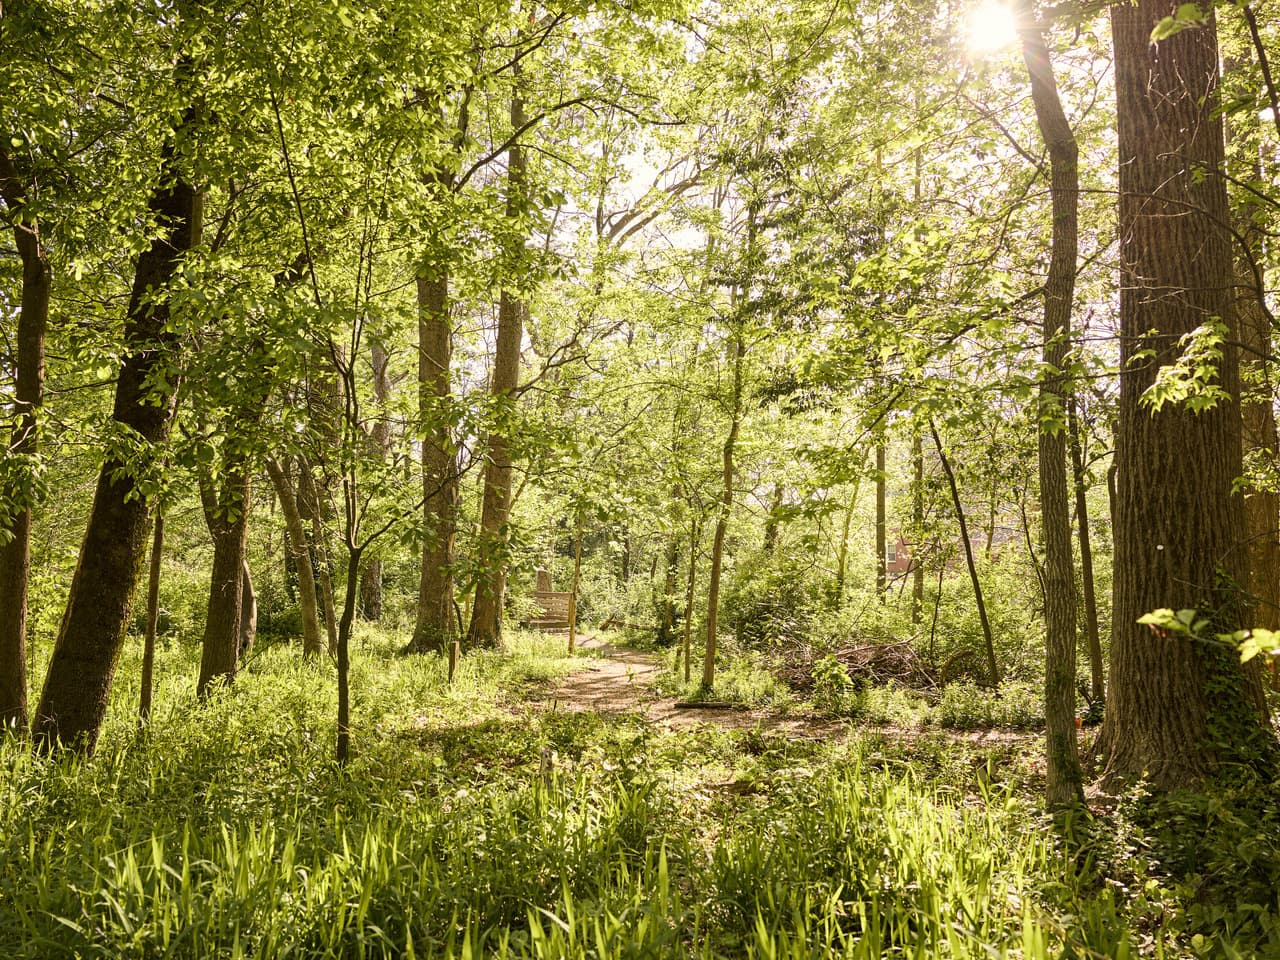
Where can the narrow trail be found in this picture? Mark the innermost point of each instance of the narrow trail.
(621, 681)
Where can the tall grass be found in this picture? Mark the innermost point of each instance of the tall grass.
(469, 825)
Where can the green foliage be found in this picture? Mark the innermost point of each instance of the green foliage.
(1018, 704)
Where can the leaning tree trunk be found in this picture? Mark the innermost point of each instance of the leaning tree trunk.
(436, 627)
(15, 554)
(993, 668)
(1178, 708)
(486, 614)
(1063, 778)
(312, 642)
(74, 699)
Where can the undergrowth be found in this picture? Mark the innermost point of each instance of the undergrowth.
(471, 824)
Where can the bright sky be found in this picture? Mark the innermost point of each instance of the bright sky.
(989, 27)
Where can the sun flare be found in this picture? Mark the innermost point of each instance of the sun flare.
(989, 27)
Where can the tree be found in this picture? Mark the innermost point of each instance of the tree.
(1063, 777)
(1177, 707)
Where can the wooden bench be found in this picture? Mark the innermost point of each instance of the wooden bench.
(553, 610)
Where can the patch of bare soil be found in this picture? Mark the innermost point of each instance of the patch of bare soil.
(621, 681)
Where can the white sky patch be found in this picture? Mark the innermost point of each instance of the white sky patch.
(990, 27)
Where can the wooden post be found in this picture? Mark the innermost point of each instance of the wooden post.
(573, 594)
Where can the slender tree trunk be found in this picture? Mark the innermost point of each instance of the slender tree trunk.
(993, 669)
(153, 619)
(436, 627)
(688, 597)
(486, 614)
(344, 656)
(74, 699)
(1097, 677)
(380, 435)
(882, 542)
(1261, 505)
(722, 517)
(771, 520)
(842, 555)
(248, 611)
(573, 594)
(15, 554)
(1177, 708)
(1064, 782)
(227, 517)
(917, 521)
(310, 495)
(312, 643)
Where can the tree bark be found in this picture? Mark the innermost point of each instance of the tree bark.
(573, 594)
(310, 495)
(882, 542)
(993, 669)
(153, 618)
(380, 435)
(15, 555)
(436, 627)
(227, 517)
(312, 643)
(917, 521)
(1097, 676)
(1064, 782)
(486, 614)
(74, 698)
(722, 516)
(1177, 707)
(1261, 504)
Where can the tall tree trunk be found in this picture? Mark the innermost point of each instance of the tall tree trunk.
(771, 520)
(15, 554)
(1261, 505)
(1097, 677)
(882, 541)
(153, 618)
(248, 611)
(993, 669)
(309, 493)
(74, 698)
(722, 515)
(577, 580)
(486, 615)
(226, 514)
(312, 643)
(435, 628)
(380, 435)
(842, 554)
(917, 521)
(1064, 782)
(1177, 708)
(343, 654)
(688, 597)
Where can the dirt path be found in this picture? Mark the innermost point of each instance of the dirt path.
(621, 681)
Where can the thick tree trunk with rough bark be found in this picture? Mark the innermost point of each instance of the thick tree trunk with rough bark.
(76, 687)
(486, 614)
(1177, 708)
(436, 626)
(1064, 782)
(312, 641)
(28, 395)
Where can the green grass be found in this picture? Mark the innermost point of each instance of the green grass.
(471, 825)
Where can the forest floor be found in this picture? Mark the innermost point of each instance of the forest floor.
(621, 680)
